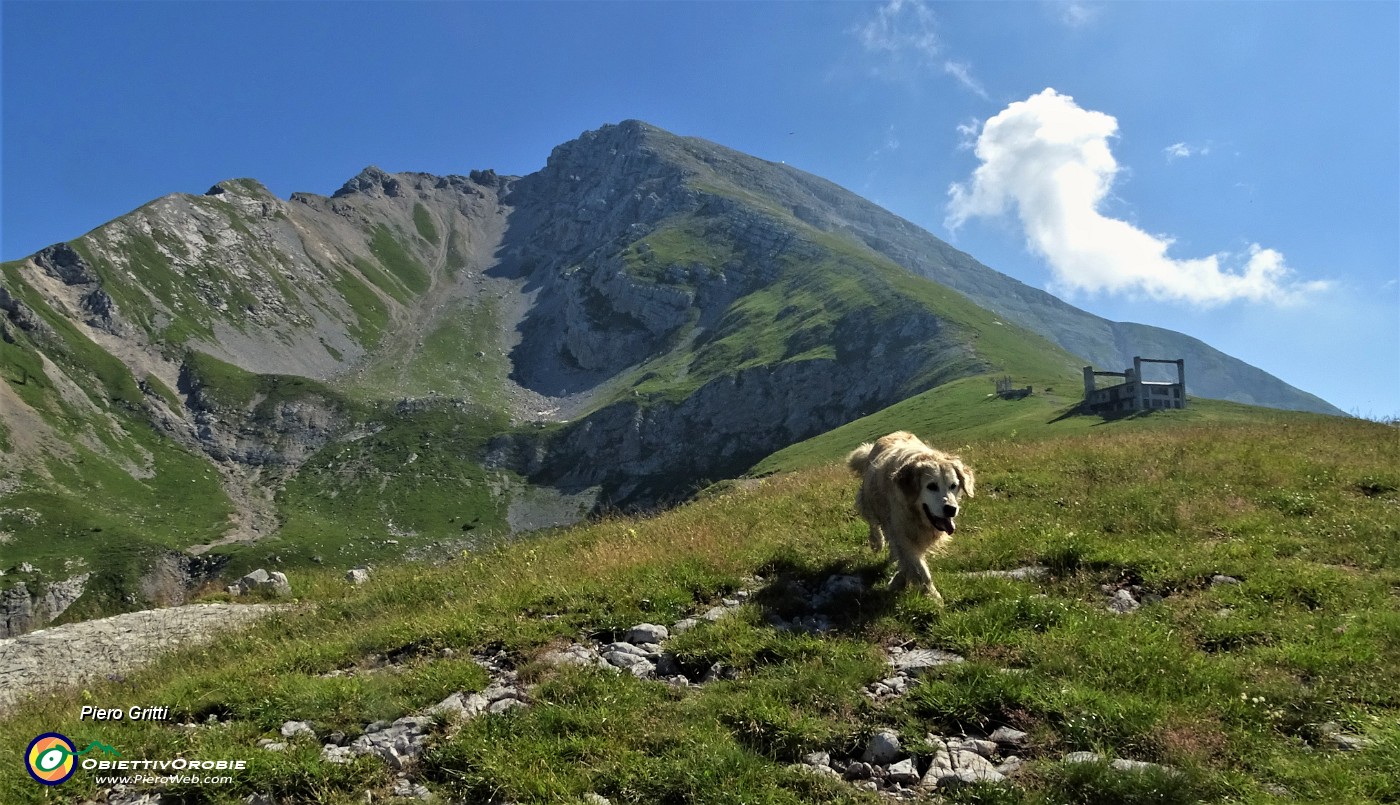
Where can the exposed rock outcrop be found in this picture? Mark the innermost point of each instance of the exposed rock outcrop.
(23, 610)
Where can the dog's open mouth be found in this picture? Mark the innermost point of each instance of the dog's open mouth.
(944, 524)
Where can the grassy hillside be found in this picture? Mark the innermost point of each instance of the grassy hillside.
(87, 484)
(967, 409)
(1232, 685)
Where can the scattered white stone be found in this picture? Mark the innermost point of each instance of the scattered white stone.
(817, 759)
(407, 789)
(903, 772)
(1083, 757)
(596, 799)
(975, 745)
(357, 575)
(1123, 602)
(292, 729)
(715, 613)
(502, 705)
(958, 766)
(1016, 574)
(823, 771)
(921, 660)
(260, 579)
(684, 624)
(337, 754)
(1125, 765)
(1011, 767)
(636, 664)
(461, 706)
(575, 654)
(883, 747)
(1007, 736)
(647, 633)
(1333, 737)
(1220, 578)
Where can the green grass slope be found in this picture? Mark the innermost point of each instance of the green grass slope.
(92, 487)
(1229, 684)
(968, 409)
(824, 299)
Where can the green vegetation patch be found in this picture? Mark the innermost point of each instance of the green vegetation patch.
(234, 388)
(423, 222)
(398, 262)
(371, 312)
(681, 246)
(459, 356)
(401, 482)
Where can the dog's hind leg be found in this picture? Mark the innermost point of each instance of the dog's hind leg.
(877, 535)
(877, 538)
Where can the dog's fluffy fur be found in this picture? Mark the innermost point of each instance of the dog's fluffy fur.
(909, 494)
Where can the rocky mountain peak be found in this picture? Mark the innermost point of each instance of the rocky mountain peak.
(238, 187)
(372, 181)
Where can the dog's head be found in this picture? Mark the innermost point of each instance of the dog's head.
(936, 488)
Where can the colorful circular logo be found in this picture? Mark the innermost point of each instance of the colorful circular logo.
(50, 758)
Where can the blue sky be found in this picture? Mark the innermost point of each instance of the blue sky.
(1230, 170)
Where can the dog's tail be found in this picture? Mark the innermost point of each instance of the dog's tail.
(859, 459)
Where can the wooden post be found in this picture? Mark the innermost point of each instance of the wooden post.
(1138, 389)
(1181, 378)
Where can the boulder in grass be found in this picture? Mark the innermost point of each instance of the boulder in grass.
(260, 579)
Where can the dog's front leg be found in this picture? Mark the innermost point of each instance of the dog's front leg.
(920, 578)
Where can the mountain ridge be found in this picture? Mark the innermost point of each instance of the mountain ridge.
(416, 361)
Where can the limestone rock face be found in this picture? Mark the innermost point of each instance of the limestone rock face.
(23, 611)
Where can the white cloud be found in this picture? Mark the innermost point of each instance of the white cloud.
(967, 134)
(1182, 151)
(900, 28)
(890, 144)
(963, 73)
(904, 35)
(1077, 13)
(1049, 160)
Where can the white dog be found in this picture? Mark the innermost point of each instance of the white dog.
(909, 494)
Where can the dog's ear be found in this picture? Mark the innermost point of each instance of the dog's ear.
(908, 478)
(965, 477)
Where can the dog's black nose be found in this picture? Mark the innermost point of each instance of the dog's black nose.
(950, 511)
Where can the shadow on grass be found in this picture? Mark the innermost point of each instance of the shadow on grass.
(844, 596)
(1103, 418)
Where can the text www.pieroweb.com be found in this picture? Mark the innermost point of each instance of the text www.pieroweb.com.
(165, 779)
